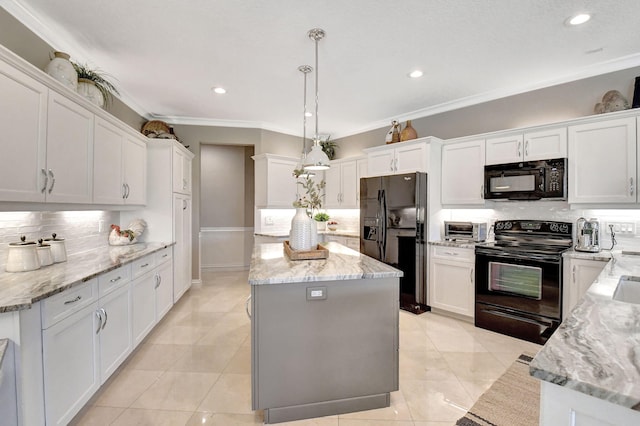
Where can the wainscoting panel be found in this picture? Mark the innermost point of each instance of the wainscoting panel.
(226, 248)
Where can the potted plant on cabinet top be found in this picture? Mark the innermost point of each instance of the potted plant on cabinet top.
(89, 80)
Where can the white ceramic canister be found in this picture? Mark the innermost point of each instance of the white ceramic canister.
(22, 256)
(62, 70)
(44, 253)
(58, 250)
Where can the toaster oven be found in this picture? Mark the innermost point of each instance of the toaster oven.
(467, 231)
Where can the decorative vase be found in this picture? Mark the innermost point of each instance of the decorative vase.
(393, 135)
(88, 90)
(300, 235)
(62, 70)
(408, 132)
(313, 236)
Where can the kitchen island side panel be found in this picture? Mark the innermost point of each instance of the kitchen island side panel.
(308, 351)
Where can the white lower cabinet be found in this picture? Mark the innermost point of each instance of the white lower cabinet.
(115, 330)
(451, 280)
(70, 359)
(164, 289)
(143, 301)
(577, 277)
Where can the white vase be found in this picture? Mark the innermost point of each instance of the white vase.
(313, 232)
(88, 89)
(62, 70)
(300, 235)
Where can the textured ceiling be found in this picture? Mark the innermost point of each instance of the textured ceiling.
(166, 55)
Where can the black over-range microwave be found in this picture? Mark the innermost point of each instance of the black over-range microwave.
(527, 180)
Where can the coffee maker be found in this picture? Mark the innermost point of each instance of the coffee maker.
(588, 235)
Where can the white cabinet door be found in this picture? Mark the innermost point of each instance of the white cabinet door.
(70, 360)
(363, 171)
(143, 307)
(134, 153)
(381, 162)
(578, 275)
(181, 171)
(282, 188)
(545, 144)
(350, 185)
(108, 187)
(333, 189)
(23, 120)
(411, 158)
(182, 248)
(164, 289)
(451, 280)
(116, 342)
(69, 151)
(602, 162)
(505, 149)
(463, 173)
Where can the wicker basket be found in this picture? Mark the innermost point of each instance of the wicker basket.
(154, 128)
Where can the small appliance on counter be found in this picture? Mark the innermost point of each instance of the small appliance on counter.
(588, 235)
(465, 231)
(22, 256)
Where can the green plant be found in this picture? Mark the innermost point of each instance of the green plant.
(313, 194)
(98, 77)
(321, 217)
(329, 148)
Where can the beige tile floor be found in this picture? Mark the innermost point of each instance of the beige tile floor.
(194, 368)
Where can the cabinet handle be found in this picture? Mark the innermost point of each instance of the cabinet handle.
(99, 315)
(391, 165)
(395, 168)
(451, 253)
(53, 180)
(115, 280)
(519, 149)
(144, 266)
(165, 255)
(184, 204)
(124, 191)
(184, 184)
(471, 276)
(68, 302)
(631, 186)
(526, 148)
(482, 191)
(158, 280)
(573, 273)
(246, 306)
(106, 318)
(128, 191)
(46, 180)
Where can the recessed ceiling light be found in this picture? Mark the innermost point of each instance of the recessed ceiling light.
(416, 74)
(578, 19)
(220, 90)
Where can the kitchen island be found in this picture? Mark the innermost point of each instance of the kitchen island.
(590, 367)
(324, 333)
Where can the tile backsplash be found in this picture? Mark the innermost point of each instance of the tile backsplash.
(82, 230)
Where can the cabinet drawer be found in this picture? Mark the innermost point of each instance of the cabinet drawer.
(164, 255)
(142, 266)
(111, 280)
(454, 253)
(60, 306)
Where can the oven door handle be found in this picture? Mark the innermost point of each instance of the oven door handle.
(515, 317)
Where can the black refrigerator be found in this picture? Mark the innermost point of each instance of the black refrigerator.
(393, 224)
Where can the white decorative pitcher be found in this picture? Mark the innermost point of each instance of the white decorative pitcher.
(62, 70)
(300, 235)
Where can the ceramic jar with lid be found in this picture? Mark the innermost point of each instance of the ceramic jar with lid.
(44, 253)
(63, 70)
(22, 256)
(58, 249)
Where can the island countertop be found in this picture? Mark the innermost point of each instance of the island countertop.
(271, 265)
(596, 350)
(19, 290)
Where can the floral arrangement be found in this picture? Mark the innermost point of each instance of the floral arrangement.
(313, 192)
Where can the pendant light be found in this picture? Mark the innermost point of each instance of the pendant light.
(304, 69)
(316, 158)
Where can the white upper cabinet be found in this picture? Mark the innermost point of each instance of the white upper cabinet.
(119, 166)
(181, 171)
(537, 145)
(463, 173)
(403, 157)
(275, 185)
(69, 166)
(602, 162)
(342, 184)
(23, 120)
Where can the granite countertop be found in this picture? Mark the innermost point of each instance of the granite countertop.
(455, 243)
(19, 290)
(271, 265)
(603, 256)
(596, 350)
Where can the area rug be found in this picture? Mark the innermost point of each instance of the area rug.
(514, 399)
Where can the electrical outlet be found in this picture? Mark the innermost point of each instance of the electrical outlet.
(268, 220)
(101, 225)
(622, 228)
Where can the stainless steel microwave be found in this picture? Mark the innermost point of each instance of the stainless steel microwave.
(527, 180)
(468, 231)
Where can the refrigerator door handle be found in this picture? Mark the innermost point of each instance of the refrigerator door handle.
(383, 224)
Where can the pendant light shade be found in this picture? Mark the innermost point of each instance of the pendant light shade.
(316, 159)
